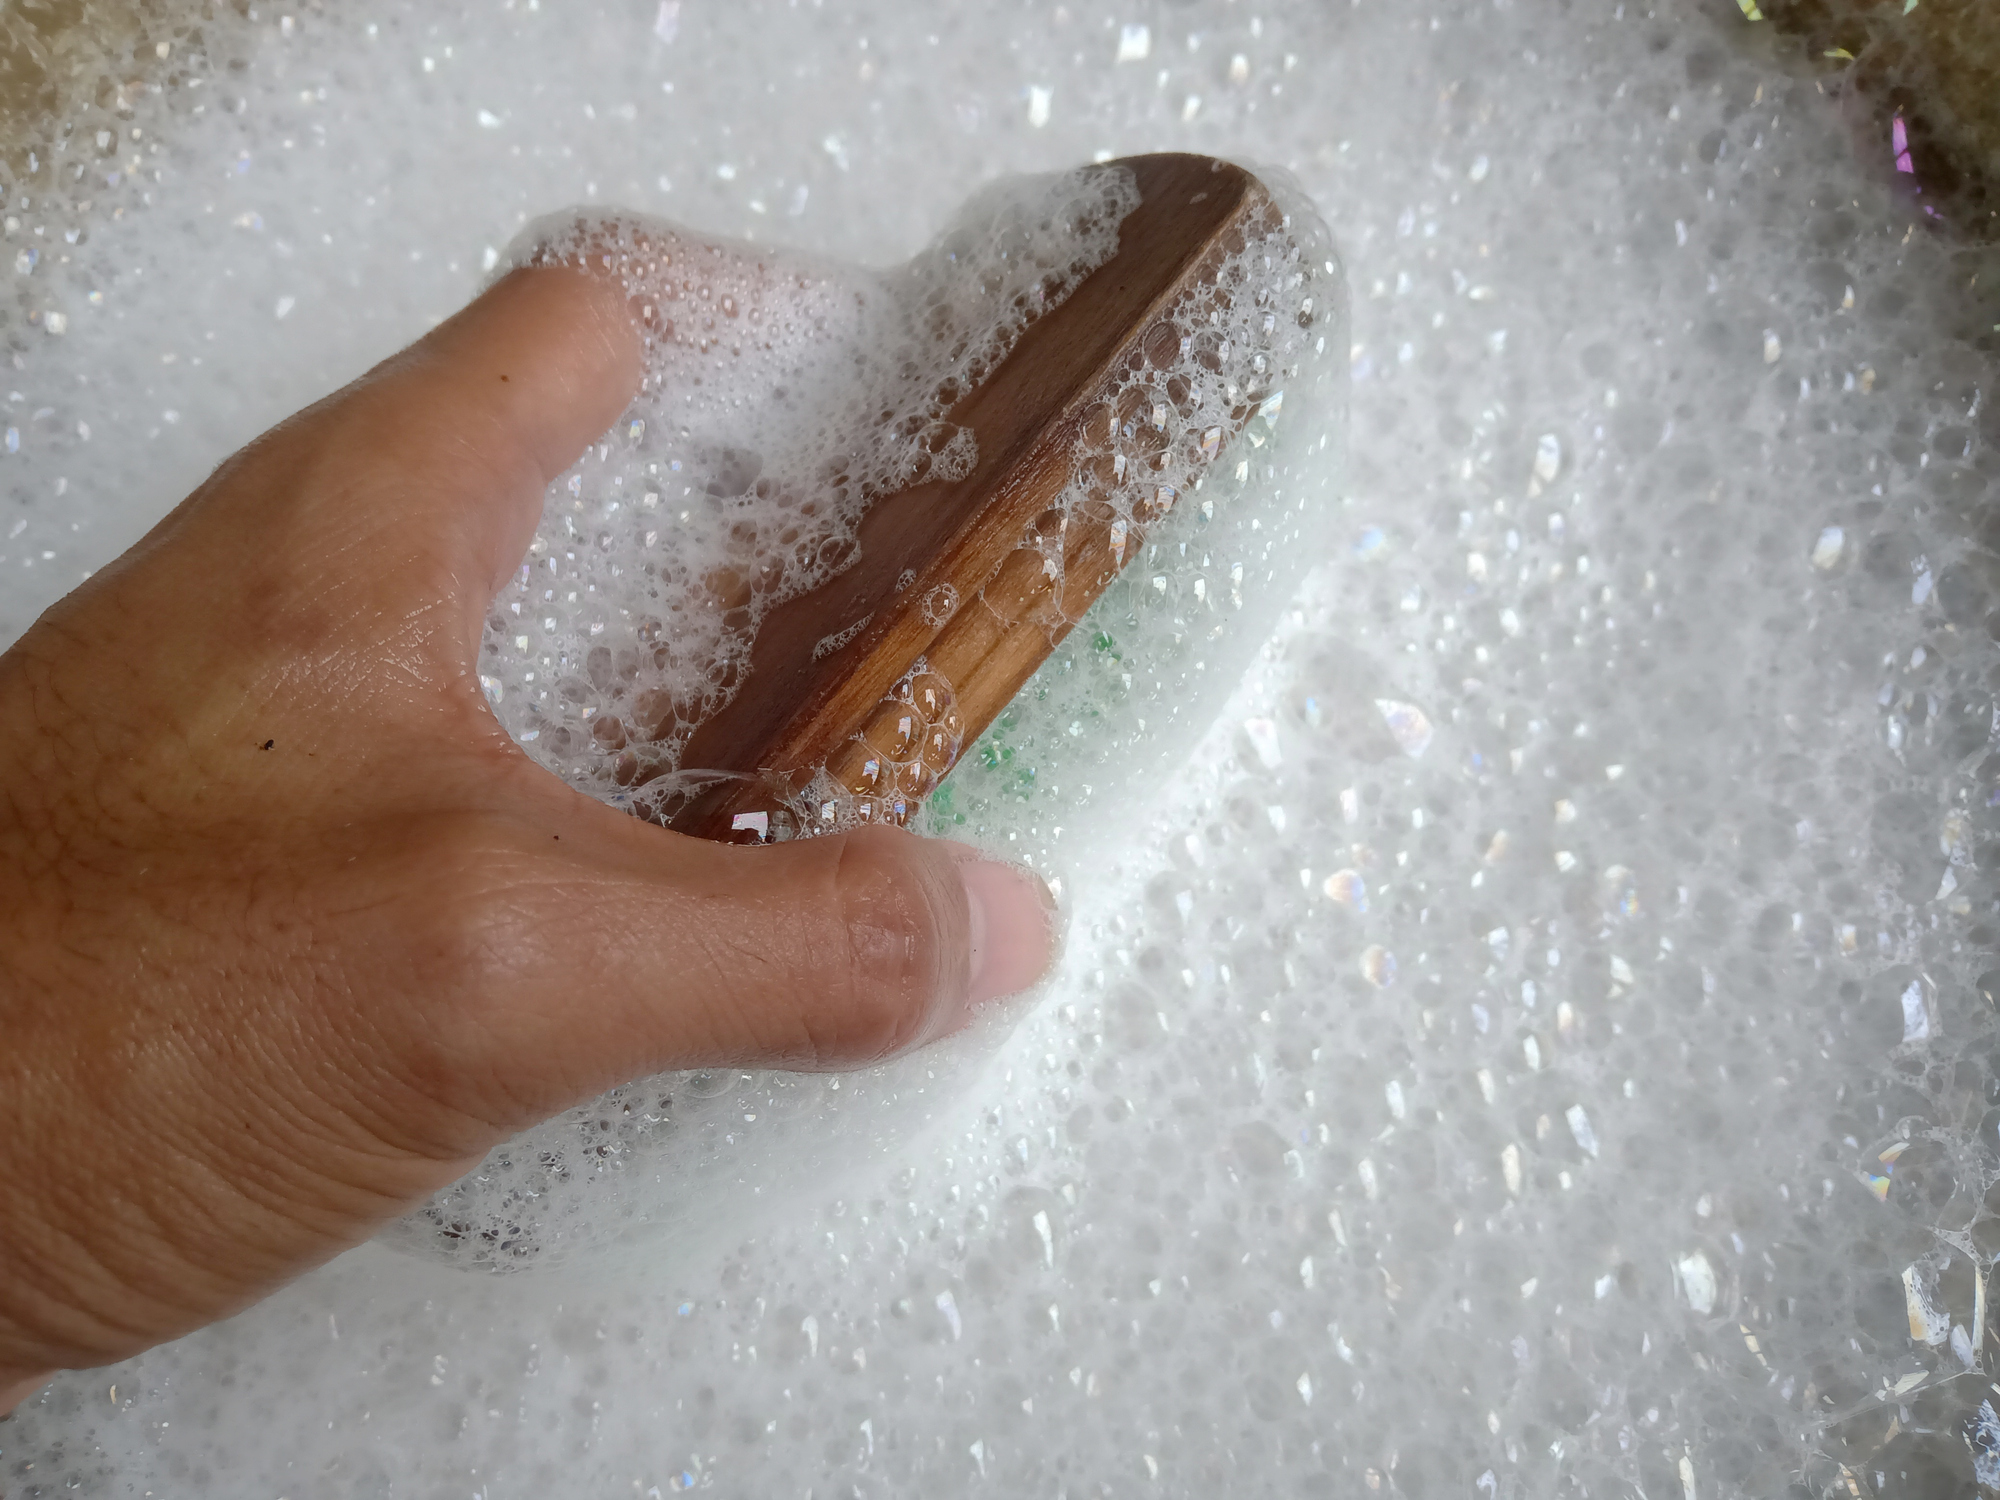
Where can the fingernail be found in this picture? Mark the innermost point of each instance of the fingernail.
(1012, 928)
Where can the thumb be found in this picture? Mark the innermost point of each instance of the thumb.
(607, 949)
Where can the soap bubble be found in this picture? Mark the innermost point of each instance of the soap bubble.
(1378, 966)
(1347, 888)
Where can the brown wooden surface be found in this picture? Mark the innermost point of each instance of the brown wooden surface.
(794, 712)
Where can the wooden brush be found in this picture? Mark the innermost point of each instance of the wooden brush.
(963, 588)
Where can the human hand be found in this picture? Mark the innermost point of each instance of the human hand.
(291, 933)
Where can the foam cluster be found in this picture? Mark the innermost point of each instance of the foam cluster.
(883, 774)
(781, 394)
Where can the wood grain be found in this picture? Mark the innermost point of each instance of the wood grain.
(957, 575)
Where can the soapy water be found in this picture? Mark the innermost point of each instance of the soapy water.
(1540, 1044)
(781, 396)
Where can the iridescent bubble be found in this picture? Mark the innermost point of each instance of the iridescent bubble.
(1618, 892)
(1408, 724)
(1581, 1129)
(1877, 1182)
(1378, 966)
(1348, 889)
(1548, 457)
(1697, 1281)
(1266, 421)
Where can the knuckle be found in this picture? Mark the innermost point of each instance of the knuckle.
(451, 866)
(896, 940)
(450, 930)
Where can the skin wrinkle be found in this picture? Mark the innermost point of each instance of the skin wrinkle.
(476, 945)
(724, 952)
(284, 1181)
(176, 1282)
(450, 1070)
(839, 1019)
(138, 1056)
(165, 1216)
(914, 973)
(38, 844)
(341, 677)
(70, 1324)
(53, 717)
(338, 571)
(81, 1232)
(374, 1076)
(341, 667)
(709, 956)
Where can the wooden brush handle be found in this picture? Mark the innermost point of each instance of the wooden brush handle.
(962, 589)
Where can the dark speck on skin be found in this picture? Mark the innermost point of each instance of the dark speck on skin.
(269, 743)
